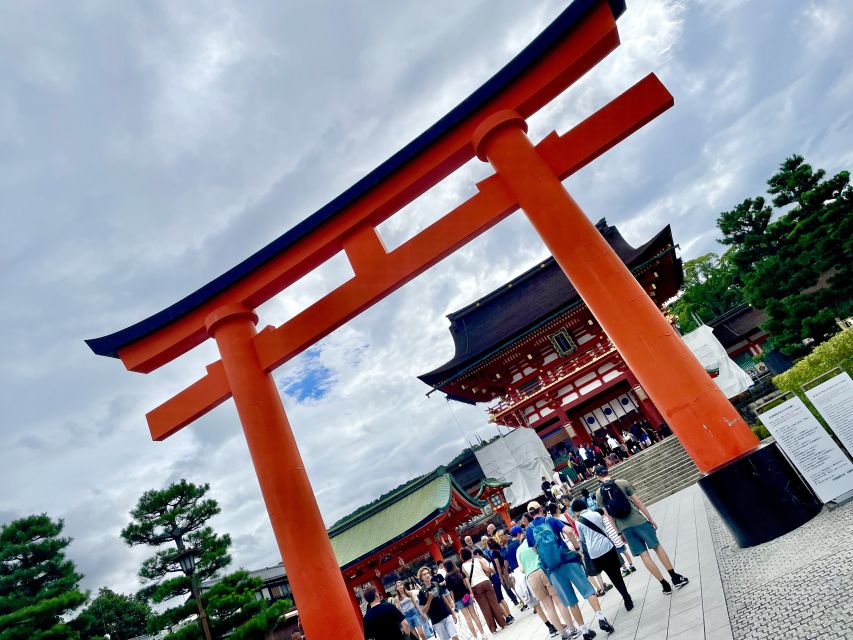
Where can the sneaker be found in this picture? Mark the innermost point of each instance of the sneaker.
(552, 630)
(679, 581)
(629, 604)
(608, 587)
(589, 635)
(600, 593)
(605, 626)
(632, 568)
(667, 590)
(509, 620)
(625, 573)
(523, 607)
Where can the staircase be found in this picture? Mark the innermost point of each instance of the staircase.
(655, 473)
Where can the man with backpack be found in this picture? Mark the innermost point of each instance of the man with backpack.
(562, 565)
(629, 515)
(599, 547)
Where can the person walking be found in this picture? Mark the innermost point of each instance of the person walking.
(599, 548)
(557, 616)
(629, 515)
(406, 602)
(460, 588)
(563, 566)
(434, 598)
(382, 620)
(476, 569)
(499, 568)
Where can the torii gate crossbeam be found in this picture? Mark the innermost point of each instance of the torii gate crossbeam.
(490, 123)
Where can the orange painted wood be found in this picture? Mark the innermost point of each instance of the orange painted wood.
(710, 428)
(379, 273)
(592, 40)
(312, 570)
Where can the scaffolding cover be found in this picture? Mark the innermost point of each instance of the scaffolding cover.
(519, 458)
(731, 379)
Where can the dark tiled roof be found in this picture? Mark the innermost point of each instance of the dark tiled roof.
(736, 324)
(552, 35)
(512, 310)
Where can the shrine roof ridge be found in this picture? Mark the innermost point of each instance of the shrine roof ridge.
(109, 345)
(483, 328)
(408, 488)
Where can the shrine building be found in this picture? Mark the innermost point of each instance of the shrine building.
(532, 352)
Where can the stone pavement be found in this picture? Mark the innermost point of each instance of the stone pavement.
(696, 612)
(799, 586)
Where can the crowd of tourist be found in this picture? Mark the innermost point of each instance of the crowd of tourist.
(547, 561)
(608, 447)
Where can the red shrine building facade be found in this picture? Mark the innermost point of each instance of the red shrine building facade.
(532, 352)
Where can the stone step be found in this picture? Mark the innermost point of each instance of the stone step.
(656, 472)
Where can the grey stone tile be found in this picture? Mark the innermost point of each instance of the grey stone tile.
(683, 620)
(716, 618)
(723, 633)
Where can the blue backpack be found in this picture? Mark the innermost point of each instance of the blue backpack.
(552, 551)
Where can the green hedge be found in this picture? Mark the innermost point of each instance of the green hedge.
(835, 352)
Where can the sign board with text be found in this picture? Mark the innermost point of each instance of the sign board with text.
(821, 462)
(833, 399)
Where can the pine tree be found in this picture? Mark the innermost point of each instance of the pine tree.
(38, 585)
(123, 617)
(798, 268)
(172, 520)
(235, 611)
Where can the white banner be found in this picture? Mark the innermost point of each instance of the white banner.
(519, 458)
(821, 462)
(730, 378)
(833, 399)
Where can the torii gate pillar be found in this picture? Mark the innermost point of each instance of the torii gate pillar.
(294, 514)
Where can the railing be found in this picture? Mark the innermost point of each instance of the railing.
(552, 378)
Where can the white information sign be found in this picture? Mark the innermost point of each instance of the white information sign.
(834, 401)
(821, 462)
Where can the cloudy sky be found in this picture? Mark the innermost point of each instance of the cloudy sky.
(147, 147)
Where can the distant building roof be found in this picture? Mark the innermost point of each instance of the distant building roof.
(395, 516)
(737, 324)
(485, 326)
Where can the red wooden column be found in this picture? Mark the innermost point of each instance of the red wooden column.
(646, 406)
(434, 550)
(313, 572)
(707, 424)
(457, 543)
(504, 514)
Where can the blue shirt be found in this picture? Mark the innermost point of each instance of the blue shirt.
(556, 525)
(510, 555)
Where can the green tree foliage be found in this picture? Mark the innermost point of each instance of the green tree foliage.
(123, 617)
(38, 585)
(710, 289)
(235, 611)
(798, 268)
(172, 520)
(835, 352)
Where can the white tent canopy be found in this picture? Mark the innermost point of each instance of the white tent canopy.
(519, 458)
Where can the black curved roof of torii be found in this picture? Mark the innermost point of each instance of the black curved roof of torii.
(509, 312)
(552, 35)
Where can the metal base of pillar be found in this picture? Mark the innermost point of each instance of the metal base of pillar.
(760, 496)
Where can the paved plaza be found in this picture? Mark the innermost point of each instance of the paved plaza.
(799, 586)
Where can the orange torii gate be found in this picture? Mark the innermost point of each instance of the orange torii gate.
(491, 124)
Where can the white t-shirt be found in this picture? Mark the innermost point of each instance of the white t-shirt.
(479, 575)
(557, 479)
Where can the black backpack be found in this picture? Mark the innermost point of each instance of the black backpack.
(615, 500)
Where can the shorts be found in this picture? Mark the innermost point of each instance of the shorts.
(568, 575)
(461, 605)
(414, 619)
(641, 538)
(540, 586)
(445, 629)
